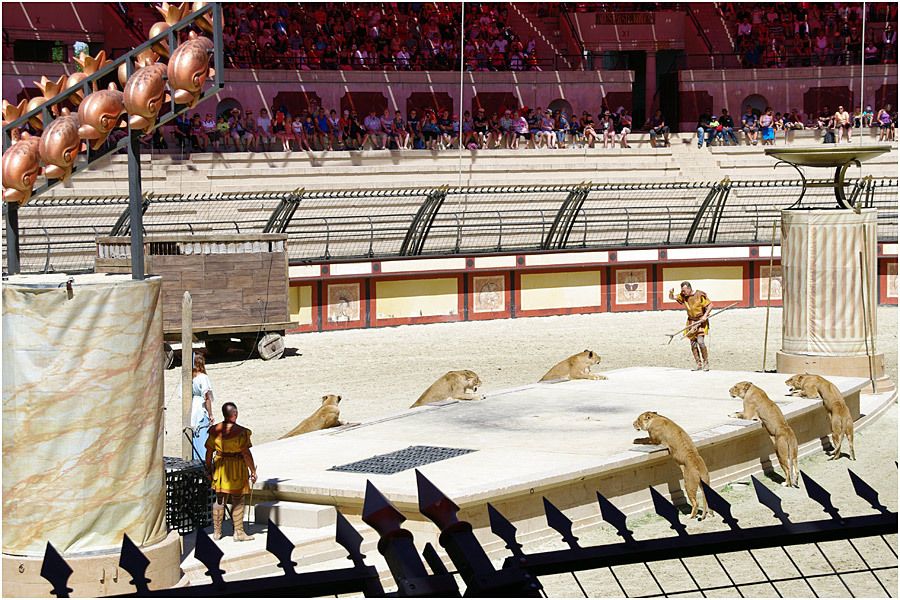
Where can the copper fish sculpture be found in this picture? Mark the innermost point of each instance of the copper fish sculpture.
(99, 113)
(59, 146)
(145, 93)
(21, 167)
(189, 69)
(143, 59)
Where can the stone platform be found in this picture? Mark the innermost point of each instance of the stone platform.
(564, 440)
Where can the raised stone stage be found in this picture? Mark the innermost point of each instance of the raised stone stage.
(564, 440)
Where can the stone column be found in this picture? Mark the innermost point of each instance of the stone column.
(825, 320)
(649, 87)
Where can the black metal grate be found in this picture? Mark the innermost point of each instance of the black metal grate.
(189, 496)
(401, 460)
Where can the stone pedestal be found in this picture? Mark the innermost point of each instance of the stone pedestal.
(829, 318)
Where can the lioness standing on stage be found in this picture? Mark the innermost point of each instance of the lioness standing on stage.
(663, 431)
(758, 404)
(698, 306)
(815, 386)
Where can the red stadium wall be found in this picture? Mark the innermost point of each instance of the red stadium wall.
(430, 290)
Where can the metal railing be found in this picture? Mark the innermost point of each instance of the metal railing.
(523, 574)
(59, 234)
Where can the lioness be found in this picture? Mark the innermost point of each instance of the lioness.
(577, 366)
(662, 430)
(758, 404)
(326, 416)
(453, 385)
(815, 386)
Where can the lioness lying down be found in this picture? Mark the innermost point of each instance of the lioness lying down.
(839, 417)
(455, 385)
(663, 431)
(326, 416)
(758, 404)
(577, 366)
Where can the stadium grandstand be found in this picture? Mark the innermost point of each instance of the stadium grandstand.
(351, 96)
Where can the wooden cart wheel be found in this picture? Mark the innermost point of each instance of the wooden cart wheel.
(271, 346)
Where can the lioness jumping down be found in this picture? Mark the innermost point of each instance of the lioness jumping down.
(758, 404)
(577, 366)
(326, 416)
(815, 386)
(663, 431)
(455, 385)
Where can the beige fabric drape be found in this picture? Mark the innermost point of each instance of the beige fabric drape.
(82, 414)
(823, 310)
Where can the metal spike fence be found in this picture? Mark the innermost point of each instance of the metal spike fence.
(58, 234)
(836, 556)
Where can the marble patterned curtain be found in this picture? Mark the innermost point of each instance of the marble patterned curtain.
(82, 414)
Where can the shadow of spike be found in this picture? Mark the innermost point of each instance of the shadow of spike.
(770, 500)
(281, 547)
(503, 529)
(667, 511)
(434, 504)
(57, 571)
(615, 517)
(820, 495)
(434, 561)
(135, 564)
(720, 506)
(206, 551)
(349, 538)
(561, 523)
(866, 492)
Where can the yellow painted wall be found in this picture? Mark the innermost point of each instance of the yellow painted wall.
(300, 304)
(407, 298)
(574, 289)
(720, 283)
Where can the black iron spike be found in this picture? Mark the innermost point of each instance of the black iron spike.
(615, 517)
(561, 523)
(667, 511)
(349, 538)
(719, 505)
(866, 492)
(379, 513)
(503, 529)
(820, 495)
(206, 551)
(770, 500)
(57, 571)
(278, 544)
(434, 561)
(135, 564)
(434, 504)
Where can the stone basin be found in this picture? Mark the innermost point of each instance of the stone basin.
(826, 157)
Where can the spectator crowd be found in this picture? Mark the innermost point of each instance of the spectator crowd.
(320, 129)
(803, 34)
(413, 36)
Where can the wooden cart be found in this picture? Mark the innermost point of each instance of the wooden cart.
(238, 284)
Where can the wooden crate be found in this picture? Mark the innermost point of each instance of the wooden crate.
(238, 282)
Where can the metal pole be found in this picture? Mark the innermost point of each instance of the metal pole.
(135, 194)
(862, 74)
(187, 368)
(12, 237)
(769, 295)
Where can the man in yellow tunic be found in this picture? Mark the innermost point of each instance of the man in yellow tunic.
(231, 444)
(698, 307)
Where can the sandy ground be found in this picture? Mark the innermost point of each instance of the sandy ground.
(380, 371)
(384, 370)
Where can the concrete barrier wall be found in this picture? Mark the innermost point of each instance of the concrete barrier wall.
(431, 290)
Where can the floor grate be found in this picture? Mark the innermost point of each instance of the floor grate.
(401, 460)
